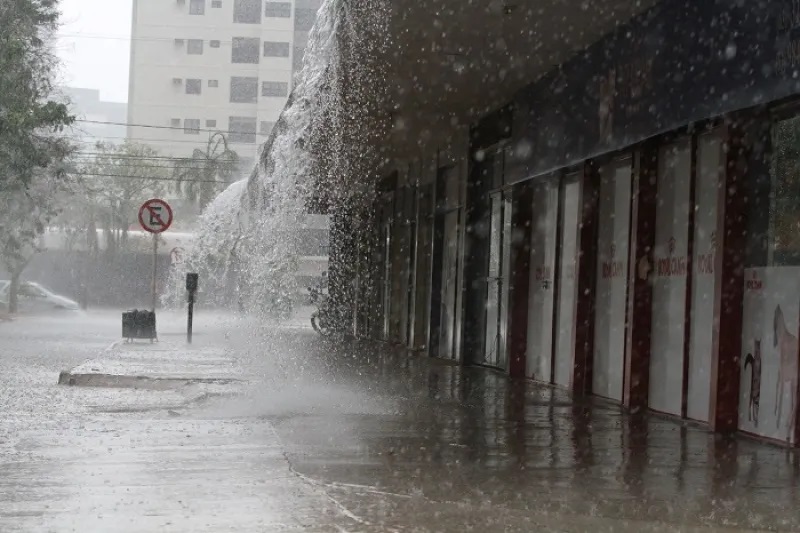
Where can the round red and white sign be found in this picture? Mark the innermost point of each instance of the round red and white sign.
(155, 216)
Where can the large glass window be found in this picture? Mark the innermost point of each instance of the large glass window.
(274, 88)
(278, 10)
(195, 47)
(197, 7)
(612, 278)
(242, 129)
(276, 49)
(245, 50)
(244, 90)
(247, 11)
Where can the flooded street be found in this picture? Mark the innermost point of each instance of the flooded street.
(303, 436)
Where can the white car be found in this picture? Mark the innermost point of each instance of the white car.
(33, 297)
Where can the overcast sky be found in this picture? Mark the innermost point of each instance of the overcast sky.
(95, 46)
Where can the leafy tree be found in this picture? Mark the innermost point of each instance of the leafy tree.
(33, 151)
(25, 214)
(29, 116)
(201, 177)
(110, 188)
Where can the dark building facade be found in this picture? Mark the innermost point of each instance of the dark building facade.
(628, 226)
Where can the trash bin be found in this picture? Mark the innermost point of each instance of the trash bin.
(138, 324)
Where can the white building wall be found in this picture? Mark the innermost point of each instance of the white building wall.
(161, 66)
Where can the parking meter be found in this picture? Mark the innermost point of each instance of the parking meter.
(191, 286)
(191, 283)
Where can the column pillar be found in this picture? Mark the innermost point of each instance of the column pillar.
(586, 270)
(640, 290)
(729, 269)
(519, 282)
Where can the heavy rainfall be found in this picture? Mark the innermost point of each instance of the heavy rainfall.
(399, 265)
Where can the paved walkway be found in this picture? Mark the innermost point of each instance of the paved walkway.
(296, 434)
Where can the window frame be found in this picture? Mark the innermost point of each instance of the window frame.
(277, 7)
(194, 3)
(239, 47)
(197, 84)
(237, 11)
(234, 134)
(187, 130)
(271, 83)
(189, 43)
(241, 82)
(284, 46)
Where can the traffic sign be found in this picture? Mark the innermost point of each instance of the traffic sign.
(155, 216)
(176, 256)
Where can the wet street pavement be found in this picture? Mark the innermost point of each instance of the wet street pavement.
(311, 437)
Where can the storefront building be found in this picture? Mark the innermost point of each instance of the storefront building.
(626, 227)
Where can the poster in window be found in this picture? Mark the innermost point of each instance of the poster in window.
(769, 360)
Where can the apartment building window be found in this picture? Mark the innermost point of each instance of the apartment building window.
(304, 19)
(245, 50)
(216, 4)
(214, 44)
(297, 58)
(276, 49)
(274, 88)
(191, 126)
(242, 129)
(213, 83)
(194, 86)
(266, 127)
(244, 90)
(211, 123)
(281, 10)
(195, 47)
(247, 11)
(197, 7)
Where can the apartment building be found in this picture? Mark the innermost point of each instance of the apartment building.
(199, 67)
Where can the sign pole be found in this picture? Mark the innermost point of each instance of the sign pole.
(155, 268)
(155, 216)
(191, 286)
(189, 318)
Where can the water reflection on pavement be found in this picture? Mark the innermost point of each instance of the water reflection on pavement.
(357, 438)
(412, 442)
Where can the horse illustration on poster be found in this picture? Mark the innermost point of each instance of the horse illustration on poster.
(786, 344)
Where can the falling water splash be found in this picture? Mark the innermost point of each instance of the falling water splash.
(246, 248)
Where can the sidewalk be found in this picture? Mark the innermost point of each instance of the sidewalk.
(373, 439)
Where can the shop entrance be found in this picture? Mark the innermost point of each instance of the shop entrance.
(446, 263)
(613, 243)
(497, 281)
(486, 268)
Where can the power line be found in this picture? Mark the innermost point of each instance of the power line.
(178, 128)
(145, 178)
(150, 39)
(94, 155)
(99, 138)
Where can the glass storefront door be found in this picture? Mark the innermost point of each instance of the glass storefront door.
(670, 257)
(612, 278)
(710, 168)
(542, 282)
(566, 300)
(497, 281)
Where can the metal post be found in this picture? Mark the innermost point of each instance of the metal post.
(190, 318)
(155, 268)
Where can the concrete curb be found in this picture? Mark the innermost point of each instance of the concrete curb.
(137, 382)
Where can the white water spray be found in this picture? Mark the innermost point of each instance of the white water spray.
(246, 249)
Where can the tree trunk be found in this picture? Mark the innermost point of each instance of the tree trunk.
(13, 292)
